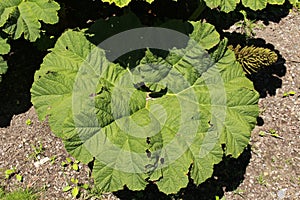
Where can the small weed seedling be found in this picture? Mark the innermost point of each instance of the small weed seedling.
(261, 180)
(37, 151)
(273, 159)
(271, 132)
(274, 133)
(289, 161)
(247, 26)
(71, 163)
(19, 177)
(239, 192)
(75, 187)
(289, 93)
(53, 159)
(11, 172)
(28, 122)
(262, 133)
(75, 165)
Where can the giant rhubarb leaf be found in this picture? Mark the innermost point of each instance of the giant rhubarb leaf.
(19, 17)
(151, 122)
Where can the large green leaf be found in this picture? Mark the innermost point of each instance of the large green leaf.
(255, 4)
(151, 122)
(4, 49)
(261, 4)
(122, 3)
(222, 113)
(19, 17)
(278, 2)
(225, 5)
(294, 2)
(3, 67)
(230, 5)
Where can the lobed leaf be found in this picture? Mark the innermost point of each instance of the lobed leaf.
(230, 5)
(123, 3)
(152, 122)
(225, 5)
(3, 67)
(4, 49)
(19, 17)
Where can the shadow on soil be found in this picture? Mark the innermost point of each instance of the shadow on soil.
(23, 61)
(226, 177)
(268, 79)
(223, 21)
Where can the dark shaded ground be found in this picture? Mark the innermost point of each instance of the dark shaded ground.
(23, 61)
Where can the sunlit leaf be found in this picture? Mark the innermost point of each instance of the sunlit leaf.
(163, 119)
(19, 17)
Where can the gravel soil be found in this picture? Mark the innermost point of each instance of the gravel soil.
(272, 166)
